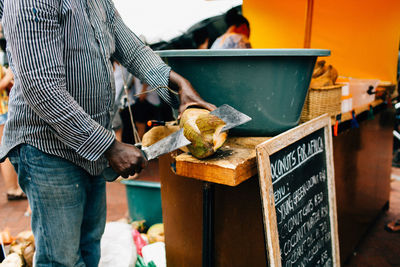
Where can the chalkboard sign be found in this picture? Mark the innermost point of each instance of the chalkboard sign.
(298, 193)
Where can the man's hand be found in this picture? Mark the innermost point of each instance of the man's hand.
(188, 96)
(125, 159)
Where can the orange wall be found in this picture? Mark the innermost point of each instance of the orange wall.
(363, 36)
(276, 23)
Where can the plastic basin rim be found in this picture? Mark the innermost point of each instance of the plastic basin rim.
(136, 183)
(243, 52)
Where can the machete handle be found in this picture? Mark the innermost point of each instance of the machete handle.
(110, 175)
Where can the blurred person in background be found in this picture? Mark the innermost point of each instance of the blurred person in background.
(237, 35)
(201, 38)
(13, 190)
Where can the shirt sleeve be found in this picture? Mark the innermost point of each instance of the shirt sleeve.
(35, 41)
(141, 61)
(1, 8)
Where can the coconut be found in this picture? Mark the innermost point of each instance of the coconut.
(319, 68)
(327, 76)
(28, 253)
(191, 113)
(157, 133)
(25, 236)
(203, 130)
(156, 233)
(13, 260)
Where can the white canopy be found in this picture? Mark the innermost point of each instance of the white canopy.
(162, 20)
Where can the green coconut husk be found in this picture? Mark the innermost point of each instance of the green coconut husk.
(204, 131)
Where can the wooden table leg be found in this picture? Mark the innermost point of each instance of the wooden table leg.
(208, 224)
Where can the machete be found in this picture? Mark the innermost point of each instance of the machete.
(176, 140)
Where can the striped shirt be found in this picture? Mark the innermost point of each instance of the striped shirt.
(61, 53)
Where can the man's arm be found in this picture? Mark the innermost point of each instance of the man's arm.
(35, 41)
(149, 68)
(140, 60)
(188, 96)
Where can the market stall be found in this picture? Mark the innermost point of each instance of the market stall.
(225, 210)
(362, 178)
(362, 137)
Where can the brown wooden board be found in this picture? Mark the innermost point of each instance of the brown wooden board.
(233, 164)
(297, 187)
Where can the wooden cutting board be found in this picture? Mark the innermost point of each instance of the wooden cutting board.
(234, 163)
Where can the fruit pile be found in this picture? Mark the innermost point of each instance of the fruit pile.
(154, 234)
(144, 239)
(22, 248)
(323, 75)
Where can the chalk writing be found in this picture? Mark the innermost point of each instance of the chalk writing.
(295, 158)
(299, 178)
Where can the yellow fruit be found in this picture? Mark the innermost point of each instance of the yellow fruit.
(13, 260)
(156, 233)
(28, 254)
(157, 133)
(203, 130)
(25, 236)
(325, 79)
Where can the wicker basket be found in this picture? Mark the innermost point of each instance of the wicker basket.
(322, 100)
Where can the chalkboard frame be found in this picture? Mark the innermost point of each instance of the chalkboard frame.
(271, 146)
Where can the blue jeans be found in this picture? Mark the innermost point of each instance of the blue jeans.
(68, 208)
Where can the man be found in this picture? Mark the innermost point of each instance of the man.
(58, 134)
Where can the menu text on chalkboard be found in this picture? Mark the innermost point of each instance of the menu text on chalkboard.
(300, 194)
(301, 202)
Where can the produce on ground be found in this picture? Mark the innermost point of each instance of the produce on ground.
(139, 241)
(6, 237)
(141, 263)
(23, 246)
(145, 238)
(13, 260)
(156, 233)
(25, 236)
(139, 225)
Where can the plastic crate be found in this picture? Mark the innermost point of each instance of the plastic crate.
(144, 201)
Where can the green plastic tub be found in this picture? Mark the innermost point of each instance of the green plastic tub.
(144, 201)
(269, 85)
